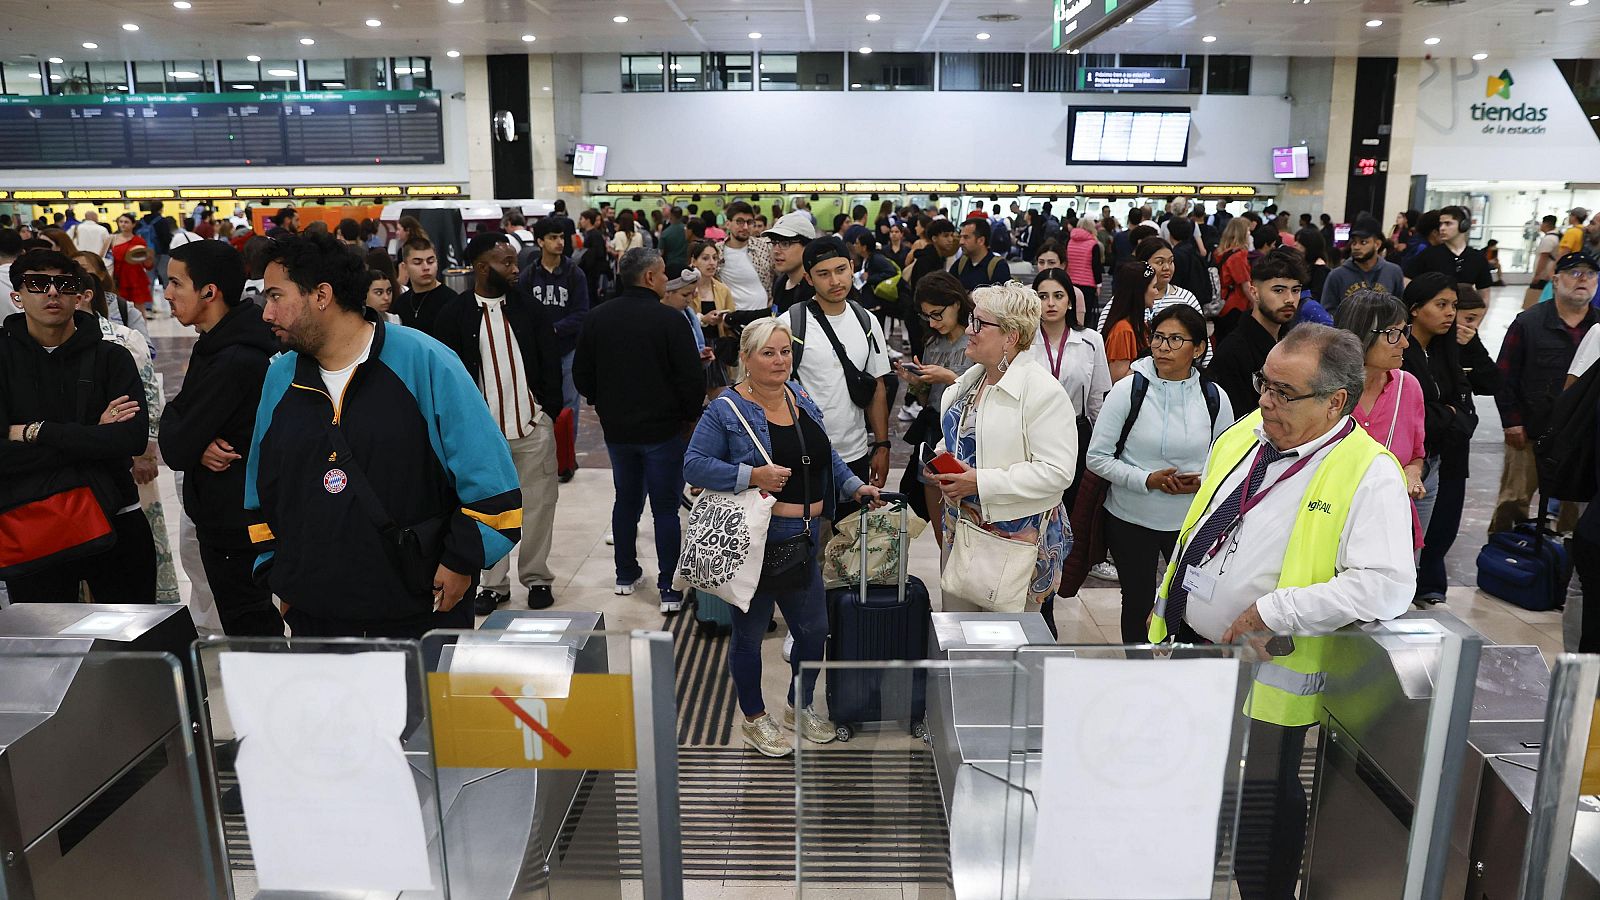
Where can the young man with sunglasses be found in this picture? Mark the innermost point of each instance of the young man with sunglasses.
(72, 407)
(1275, 281)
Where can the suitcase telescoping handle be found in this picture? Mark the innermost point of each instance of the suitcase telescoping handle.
(893, 499)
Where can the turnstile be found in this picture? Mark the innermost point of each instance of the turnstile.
(98, 786)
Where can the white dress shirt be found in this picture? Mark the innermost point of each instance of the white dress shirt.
(1375, 578)
(1084, 372)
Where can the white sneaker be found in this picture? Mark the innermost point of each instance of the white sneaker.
(611, 537)
(623, 590)
(812, 726)
(1104, 571)
(764, 735)
(788, 645)
(671, 603)
(910, 411)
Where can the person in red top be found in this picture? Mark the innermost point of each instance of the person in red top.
(131, 260)
(1233, 274)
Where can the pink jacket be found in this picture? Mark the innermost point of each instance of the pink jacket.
(1080, 257)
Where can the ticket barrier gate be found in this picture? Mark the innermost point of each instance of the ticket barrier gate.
(100, 793)
(478, 818)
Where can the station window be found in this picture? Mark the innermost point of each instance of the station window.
(643, 73)
(980, 71)
(242, 75)
(1052, 72)
(21, 79)
(174, 76)
(88, 77)
(1227, 74)
(1194, 63)
(802, 71)
(326, 75)
(410, 73)
(712, 71)
(891, 71)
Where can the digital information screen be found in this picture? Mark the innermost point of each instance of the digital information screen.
(1291, 162)
(1102, 135)
(589, 160)
(244, 129)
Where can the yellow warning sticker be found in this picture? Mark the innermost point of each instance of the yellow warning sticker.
(493, 721)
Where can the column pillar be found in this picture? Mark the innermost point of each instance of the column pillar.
(480, 143)
(1341, 114)
(1402, 138)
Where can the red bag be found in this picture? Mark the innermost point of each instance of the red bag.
(49, 518)
(566, 452)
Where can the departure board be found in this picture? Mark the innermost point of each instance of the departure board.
(1099, 135)
(243, 129)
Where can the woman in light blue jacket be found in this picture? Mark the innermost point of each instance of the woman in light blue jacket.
(1158, 467)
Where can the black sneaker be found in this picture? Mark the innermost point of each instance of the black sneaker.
(565, 475)
(539, 597)
(486, 601)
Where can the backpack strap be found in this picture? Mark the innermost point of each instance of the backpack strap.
(994, 260)
(1213, 401)
(797, 335)
(1141, 386)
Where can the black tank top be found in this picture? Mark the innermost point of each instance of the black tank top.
(786, 452)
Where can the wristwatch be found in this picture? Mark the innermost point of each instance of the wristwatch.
(878, 445)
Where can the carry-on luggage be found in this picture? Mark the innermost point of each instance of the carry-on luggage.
(566, 448)
(712, 614)
(1527, 566)
(878, 622)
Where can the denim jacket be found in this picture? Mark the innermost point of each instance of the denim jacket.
(720, 456)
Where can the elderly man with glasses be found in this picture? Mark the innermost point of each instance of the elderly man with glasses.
(1301, 525)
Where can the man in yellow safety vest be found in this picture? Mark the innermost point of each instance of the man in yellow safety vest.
(1302, 525)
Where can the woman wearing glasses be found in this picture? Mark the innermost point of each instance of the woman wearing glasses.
(1008, 423)
(1127, 337)
(1391, 406)
(945, 308)
(1158, 466)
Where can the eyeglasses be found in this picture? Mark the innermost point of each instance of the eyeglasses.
(1262, 386)
(1393, 335)
(933, 316)
(41, 284)
(1173, 341)
(1582, 274)
(977, 325)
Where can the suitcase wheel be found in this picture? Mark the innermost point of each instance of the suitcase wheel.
(843, 732)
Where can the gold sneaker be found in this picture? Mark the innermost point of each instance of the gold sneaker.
(764, 735)
(813, 727)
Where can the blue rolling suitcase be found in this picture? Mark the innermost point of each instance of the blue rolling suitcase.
(878, 622)
(712, 614)
(1527, 566)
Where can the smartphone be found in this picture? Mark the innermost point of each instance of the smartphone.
(913, 368)
(945, 464)
(1189, 475)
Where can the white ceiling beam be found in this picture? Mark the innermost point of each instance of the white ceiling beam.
(933, 23)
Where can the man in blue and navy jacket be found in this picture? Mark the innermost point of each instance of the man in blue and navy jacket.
(380, 481)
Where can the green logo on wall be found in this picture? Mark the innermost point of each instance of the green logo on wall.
(1500, 85)
(1525, 118)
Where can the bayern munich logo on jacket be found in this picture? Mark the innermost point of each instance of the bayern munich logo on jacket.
(335, 481)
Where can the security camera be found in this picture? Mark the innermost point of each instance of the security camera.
(458, 95)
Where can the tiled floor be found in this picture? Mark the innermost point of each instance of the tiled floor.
(584, 570)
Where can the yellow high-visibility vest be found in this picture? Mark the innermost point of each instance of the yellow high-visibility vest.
(1286, 689)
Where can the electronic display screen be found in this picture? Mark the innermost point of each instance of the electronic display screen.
(1291, 162)
(589, 160)
(1101, 135)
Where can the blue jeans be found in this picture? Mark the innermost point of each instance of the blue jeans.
(803, 609)
(635, 470)
(569, 393)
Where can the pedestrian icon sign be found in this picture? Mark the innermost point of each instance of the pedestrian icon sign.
(499, 721)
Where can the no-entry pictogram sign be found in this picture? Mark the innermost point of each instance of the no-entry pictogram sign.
(498, 721)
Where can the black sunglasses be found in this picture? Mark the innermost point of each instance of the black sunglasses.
(41, 284)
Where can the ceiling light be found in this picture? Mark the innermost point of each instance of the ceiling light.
(373, 23)
(333, 84)
(755, 35)
(90, 45)
(1073, 52)
(1431, 41)
(1016, 84)
(854, 85)
(1577, 2)
(55, 60)
(1480, 56)
(282, 73)
(181, 4)
(308, 41)
(457, 2)
(545, 88)
(528, 39)
(243, 87)
(619, 19)
(185, 76)
(873, 17)
(983, 35)
(1374, 23)
(452, 53)
(33, 74)
(1209, 39)
(55, 77)
(129, 26)
(1594, 118)
(402, 70)
(864, 50)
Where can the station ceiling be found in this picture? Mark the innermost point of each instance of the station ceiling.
(277, 28)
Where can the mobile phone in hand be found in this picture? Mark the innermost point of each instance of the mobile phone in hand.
(913, 368)
(946, 464)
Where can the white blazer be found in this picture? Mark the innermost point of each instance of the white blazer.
(1027, 439)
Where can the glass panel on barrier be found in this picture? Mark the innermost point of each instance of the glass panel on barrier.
(549, 778)
(916, 786)
(99, 777)
(1559, 785)
(1132, 760)
(324, 767)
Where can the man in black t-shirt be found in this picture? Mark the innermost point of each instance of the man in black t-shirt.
(421, 302)
(1452, 257)
(789, 236)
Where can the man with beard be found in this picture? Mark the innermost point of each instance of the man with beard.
(746, 260)
(1275, 281)
(503, 338)
(1366, 267)
(380, 479)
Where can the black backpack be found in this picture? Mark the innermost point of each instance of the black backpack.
(1565, 452)
(1141, 386)
(862, 386)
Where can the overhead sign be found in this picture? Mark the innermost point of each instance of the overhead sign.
(1112, 190)
(694, 187)
(754, 187)
(990, 187)
(932, 187)
(873, 187)
(1057, 190)
(1227, 190)
(633, 187)
(812, 187)
(1076, 22)
(483, 721)
(1158, 81)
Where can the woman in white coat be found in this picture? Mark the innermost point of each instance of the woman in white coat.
(1011, 428)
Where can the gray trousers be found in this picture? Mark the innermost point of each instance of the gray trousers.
(535, 459)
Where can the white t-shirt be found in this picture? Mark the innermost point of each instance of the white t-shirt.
(184, 236)
(823, 377)
(91, 237)
(1549, 242)
(336, 381)
(7, 306)
(1588, 352)
(739, 274)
